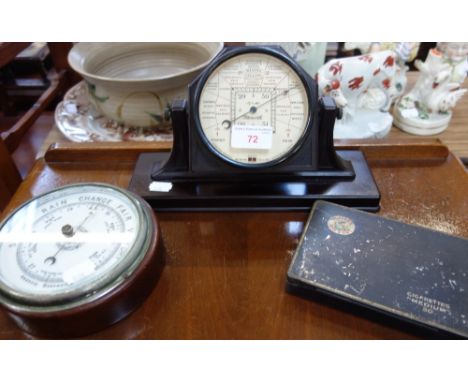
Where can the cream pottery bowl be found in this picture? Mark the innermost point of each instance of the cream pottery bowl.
(135, 83)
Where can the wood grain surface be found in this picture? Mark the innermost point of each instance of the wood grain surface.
(225, 273)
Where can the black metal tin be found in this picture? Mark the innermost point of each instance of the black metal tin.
(409, 272)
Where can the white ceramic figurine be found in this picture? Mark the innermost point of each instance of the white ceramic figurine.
(405, 52)
(427, 108)
(364, 87)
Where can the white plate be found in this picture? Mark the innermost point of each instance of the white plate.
(77, 119)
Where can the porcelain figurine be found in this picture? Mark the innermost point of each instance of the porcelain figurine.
(427, 108)
(405, 52)
(364, 87)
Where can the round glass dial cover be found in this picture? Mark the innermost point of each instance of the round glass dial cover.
(69, 244)
(253, 109)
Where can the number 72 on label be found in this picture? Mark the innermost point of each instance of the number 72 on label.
(251, 137)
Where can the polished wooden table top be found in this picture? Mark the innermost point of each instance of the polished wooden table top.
(225, 273)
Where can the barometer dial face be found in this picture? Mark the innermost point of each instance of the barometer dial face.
(253, 109)
(71, 244)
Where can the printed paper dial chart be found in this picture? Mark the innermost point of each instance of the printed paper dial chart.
(253, 109)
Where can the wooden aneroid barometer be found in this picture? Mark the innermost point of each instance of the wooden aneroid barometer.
(77, 259)
(254, 135)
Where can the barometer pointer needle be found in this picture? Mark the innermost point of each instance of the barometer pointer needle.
(255, 108)
(53, 259)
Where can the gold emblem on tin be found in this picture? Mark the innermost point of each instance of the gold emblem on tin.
(341, 225)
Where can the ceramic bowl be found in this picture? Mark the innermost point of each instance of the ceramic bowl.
(135, 83)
